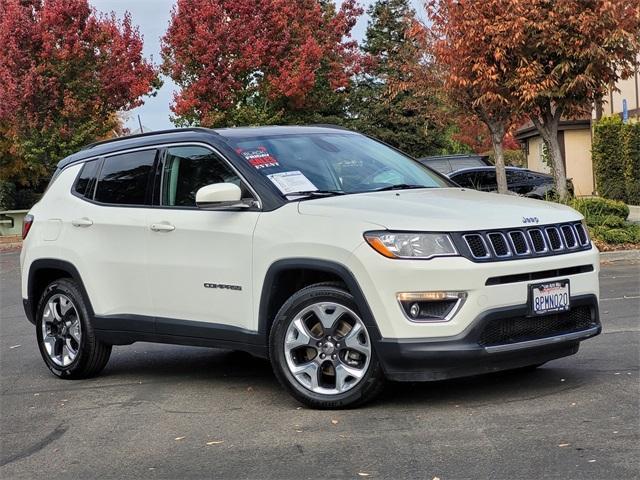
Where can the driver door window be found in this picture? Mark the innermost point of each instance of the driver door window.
(187, 169)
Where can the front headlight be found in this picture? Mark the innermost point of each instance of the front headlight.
(411, 245)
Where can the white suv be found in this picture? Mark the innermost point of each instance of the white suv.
(342, 260)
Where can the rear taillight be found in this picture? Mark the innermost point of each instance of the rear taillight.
(26, 225)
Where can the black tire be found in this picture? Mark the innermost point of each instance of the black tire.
(92, 355)
(369, 386)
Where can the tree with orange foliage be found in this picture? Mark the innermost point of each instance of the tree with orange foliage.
(546, 59)
(472, 43)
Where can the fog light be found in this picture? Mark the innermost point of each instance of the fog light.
(431, 306)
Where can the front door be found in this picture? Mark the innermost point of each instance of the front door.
(199, 261)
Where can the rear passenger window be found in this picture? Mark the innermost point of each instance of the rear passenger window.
(187, 169)
(126, 179)
(87, 179)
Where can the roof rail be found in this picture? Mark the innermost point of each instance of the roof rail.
(149, 134)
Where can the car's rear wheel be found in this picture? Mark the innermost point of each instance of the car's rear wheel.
(66, 339)
(321, 350)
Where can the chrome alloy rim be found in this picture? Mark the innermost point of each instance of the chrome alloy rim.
(327, 348)
(61, 330)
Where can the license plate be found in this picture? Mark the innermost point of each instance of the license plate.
(551, 297)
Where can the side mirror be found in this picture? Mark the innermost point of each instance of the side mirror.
(220, 195)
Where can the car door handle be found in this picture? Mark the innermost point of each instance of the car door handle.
(162, 227)
(82, 222)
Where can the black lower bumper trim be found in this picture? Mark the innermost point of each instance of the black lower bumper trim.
(463, 355)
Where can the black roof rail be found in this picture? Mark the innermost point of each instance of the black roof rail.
(149, 134)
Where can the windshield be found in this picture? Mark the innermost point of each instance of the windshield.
(333, 163)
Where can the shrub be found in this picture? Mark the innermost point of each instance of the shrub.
(7, 195)
(608, 158)
(600, 207)
(629, 233)
(631, 148)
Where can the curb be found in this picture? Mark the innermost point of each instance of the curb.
(620, 255)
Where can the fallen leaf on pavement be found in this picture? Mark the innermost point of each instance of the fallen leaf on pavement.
(215, 442)
(363, 474)
(14, 346)
(564, 444)
(335, 422)
(179, 438)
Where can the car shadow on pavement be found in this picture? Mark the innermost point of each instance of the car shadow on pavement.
(234, 369)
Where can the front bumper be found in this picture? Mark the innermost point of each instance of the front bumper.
(472, 352)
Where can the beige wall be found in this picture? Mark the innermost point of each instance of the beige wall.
(628, 90)
(534, 158)
(577, 148)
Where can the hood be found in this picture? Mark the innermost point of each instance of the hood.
(440, 209)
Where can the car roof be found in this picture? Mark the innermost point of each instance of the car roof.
(194, 134)
(488, 168)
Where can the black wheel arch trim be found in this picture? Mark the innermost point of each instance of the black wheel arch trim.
(31, 302)
(328, 266)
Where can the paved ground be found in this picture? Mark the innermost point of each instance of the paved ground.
(176, 412)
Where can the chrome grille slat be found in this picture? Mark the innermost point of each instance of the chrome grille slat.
(569, 236)
(499, 244)
(554, 238)
(475, 250)
(518, 240)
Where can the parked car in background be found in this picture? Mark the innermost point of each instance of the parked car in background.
(519, 180)
(447, 164)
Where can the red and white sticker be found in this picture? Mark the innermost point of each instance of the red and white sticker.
(259, 157)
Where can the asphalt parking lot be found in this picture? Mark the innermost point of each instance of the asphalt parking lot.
(162, 411)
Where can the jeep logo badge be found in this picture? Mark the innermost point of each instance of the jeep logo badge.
(530, 220)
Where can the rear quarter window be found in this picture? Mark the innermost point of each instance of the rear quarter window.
(86, 181)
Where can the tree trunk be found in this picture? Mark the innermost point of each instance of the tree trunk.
(548, 129)
(497, 130)
(501, 174)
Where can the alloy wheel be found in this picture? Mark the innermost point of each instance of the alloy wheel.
(61, 330)
(327, 348)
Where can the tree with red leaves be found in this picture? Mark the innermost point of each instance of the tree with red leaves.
(64, 73)
(258, 61)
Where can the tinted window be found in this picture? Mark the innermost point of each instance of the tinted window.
(87, 178)
(465, 179)
(124, 179)
(487, 180)
(441, 166)
(516, 177)
(187, 169)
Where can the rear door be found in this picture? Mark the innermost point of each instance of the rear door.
(107, 233)
(200, 261)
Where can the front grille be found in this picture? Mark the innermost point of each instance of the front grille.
(569, 237)
(521, 329)
(519, 242)
(554, 238)
(477, 246)
(537, 240)
(497, 245)
(583, 238)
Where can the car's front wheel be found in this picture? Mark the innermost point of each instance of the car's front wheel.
(65, 336)
(321, 350)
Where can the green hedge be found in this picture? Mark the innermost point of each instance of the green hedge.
(631, 147)
(608, 158)
(600, 208)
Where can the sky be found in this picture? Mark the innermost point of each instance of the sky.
(152, 17)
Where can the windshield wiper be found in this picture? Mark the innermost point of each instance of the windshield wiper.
(398, 186)
(316, 193)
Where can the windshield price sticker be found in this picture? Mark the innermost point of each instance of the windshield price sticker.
(291, 182)
(259, 158)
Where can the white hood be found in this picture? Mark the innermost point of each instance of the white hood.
(440, 209)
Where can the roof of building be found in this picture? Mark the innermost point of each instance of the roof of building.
(528, 129)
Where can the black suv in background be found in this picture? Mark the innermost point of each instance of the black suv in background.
(519, 180)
